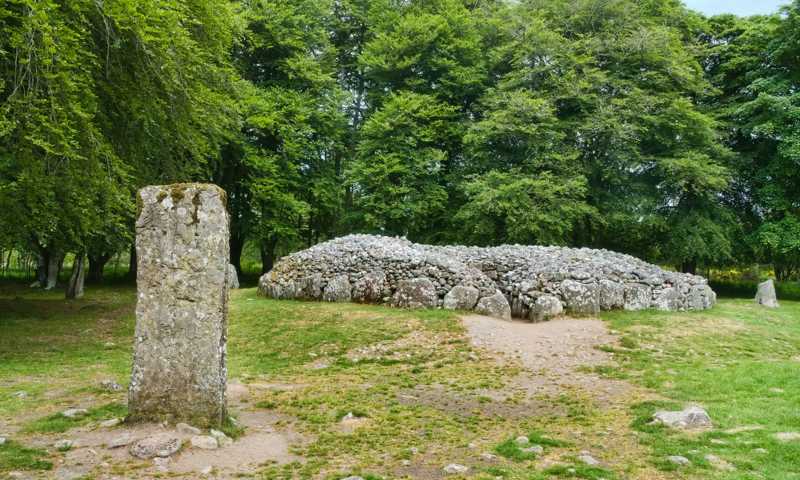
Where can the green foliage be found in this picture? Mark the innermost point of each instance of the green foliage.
(515, 208)
(401, 160)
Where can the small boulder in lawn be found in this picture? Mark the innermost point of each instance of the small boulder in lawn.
(535, 449)
(522, 440)
(63, 445)
(691, 418)
(204, 442)
(158, 445)
(2, 440)
(587, 459)
(678, 460)
(222, 439)
(111, 422)
(766, 296)
(74, 412)
(120, 441)
(110, 386)
(455, 468)
(186, 429)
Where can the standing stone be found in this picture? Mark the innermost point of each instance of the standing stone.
(494, 306)
(233, 277)
(415, 293)
(766, 296)
(179, 371)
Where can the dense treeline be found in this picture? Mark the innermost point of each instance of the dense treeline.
(634, 125)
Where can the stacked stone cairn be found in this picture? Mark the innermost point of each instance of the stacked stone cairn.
(526, 282)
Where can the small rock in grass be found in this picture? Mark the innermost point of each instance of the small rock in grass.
(719, 463)
(687, 419)
(187, 429)
(222, 439)
(204, 442)
(535, 449)
(121, 441)
(455, 468)
(587, 459)
(110, 385)
(787, 436)
(472, 446)
(678, 460)
(20, 394)
(158, 445)
(406, 463)
(74, 412)
(207, 470)
(761, 450)
(112, 422)
(63, 445)
(522, 440)
(718, 441)
(2, 440)
(488, 457)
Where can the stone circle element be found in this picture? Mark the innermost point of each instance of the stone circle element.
(182, 245)
(766, 296)
(527, 282)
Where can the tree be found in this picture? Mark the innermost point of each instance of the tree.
(397, 174)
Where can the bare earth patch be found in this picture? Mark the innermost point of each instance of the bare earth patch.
(558, 357)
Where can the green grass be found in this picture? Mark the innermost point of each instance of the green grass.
(58, 423)
(336, 359)
(740, 361)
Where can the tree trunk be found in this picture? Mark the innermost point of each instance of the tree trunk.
(54, 264)
(97, 264)
(689, 266)
(132, 262)
(268, 254)
(75, 285)
(237, 245)
(43, 259)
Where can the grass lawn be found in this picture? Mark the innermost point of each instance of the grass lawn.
(418, 395)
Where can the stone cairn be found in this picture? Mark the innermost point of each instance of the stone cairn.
(527, 282)
(179, 371)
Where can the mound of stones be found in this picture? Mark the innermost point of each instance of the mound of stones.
(528, 282)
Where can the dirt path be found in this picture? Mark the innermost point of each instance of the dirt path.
(557, 354)
(558, 357)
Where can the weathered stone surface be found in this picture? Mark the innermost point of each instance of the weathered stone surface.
(233, 277)
(584, 280)
(545, 307)
(204, 442)
(179, 370)
(766, 296)
(158, 445)
(461, 298)
(686, 419)
(415, 293)
(668, 299)
(494, 306)
(370, 288)
(581, 298)
(338, 290)
(74, 412)
(611, 295)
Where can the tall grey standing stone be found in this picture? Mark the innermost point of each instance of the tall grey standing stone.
(179, 372)
(766, 296)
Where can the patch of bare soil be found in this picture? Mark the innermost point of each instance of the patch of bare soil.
(558, 354)
(558, 357)
(267, 439)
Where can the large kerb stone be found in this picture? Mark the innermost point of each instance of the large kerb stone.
(179, 371)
